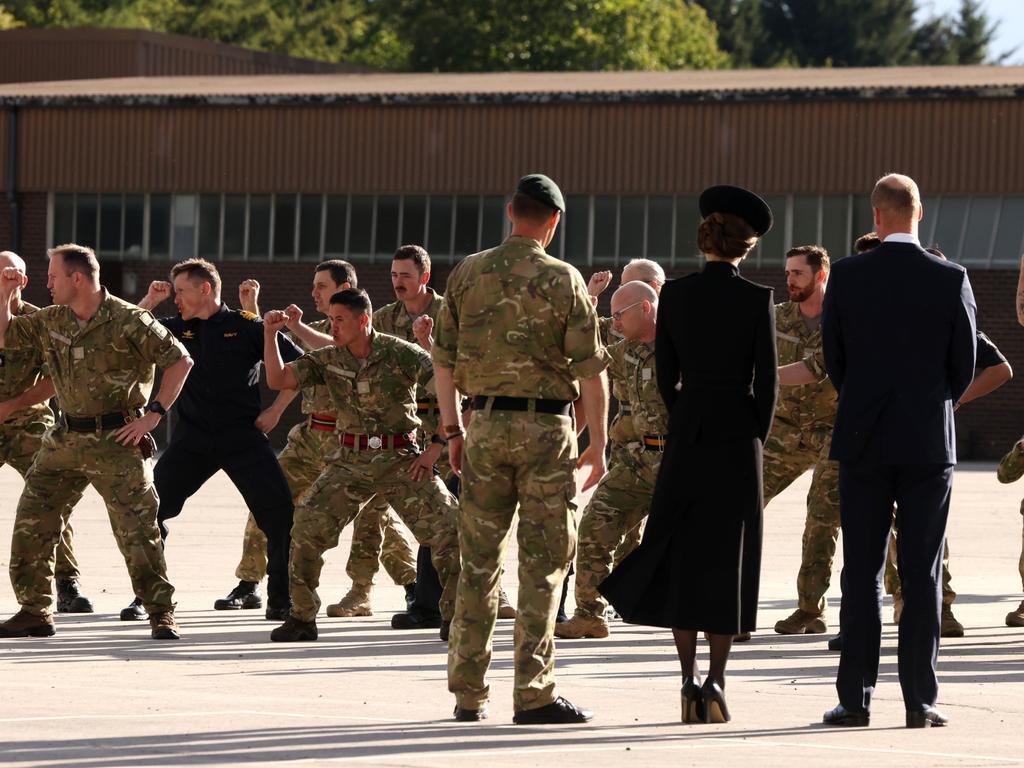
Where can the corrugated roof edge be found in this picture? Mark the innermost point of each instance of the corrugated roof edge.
(553, 97)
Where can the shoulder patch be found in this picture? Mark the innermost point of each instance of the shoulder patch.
(245, 315)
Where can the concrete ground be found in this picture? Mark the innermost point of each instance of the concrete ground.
(101, 693)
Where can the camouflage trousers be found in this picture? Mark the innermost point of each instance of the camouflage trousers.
(19, 443)
(509, 459)
(611, 524)
(376, 533)
(892, 574)
(338, 494)
(788, 453)
(66, 463)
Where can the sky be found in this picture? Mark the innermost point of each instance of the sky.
(1009, 14)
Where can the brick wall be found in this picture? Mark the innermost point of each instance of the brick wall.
(985, 429)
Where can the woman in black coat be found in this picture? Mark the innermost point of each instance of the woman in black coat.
(698, 566)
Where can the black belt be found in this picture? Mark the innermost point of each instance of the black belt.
(556, 407)
(94, 423)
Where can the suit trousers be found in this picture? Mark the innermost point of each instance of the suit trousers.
(867, 493)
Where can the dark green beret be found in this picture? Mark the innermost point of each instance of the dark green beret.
(542, 189)
(738, 201)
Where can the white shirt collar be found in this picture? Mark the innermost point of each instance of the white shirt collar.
(903, 237)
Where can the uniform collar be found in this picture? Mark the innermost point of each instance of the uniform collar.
(220, 314)
(376, 350)
(721, 269)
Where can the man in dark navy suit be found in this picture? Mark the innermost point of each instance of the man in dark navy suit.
(898, 332)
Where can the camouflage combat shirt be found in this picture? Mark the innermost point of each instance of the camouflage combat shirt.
(634, 374)
(315, 398)
(807, 405)
(19, 370)
(1011, 467)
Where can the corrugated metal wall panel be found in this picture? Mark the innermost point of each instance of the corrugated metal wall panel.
(969, 147)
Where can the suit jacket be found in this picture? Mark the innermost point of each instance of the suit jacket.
(716, 335)
(898, 336)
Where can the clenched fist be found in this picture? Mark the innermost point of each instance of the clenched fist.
(249, 295)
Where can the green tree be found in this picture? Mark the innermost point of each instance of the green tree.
(8, 20)
(974, 34)
(741, 33)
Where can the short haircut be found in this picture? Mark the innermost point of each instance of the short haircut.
(867, 242)
(198, 271)
(355, 299)
(341, 271)
(525, 207)
(414, 253)
(77, 258)
(897, 195)
(646, 271)
(816, 255)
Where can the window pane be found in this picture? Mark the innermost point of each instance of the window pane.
(494, 225)
(949, 223)
(85, 224)
(440, 234)
(414, 220)
(361, 226)
(259, 227)
(309, 227)
(833, 225)
(387, 226)
(133, 214)
(631, 229)
(1011, 233)
(209, 226)
(110, 225)
(576, 226)
(467, 210)
(659, 229)
(334, 236)
(159, 225)
(771, 250)
(981, 223)
(184, 246)
(687, 220)
(284, 227)
(605, 214)
(63, 219)
(805, 221)
(234, 227)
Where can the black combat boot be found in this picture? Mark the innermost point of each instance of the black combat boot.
(70, 598)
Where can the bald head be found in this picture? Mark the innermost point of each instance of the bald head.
(634, 290)
(635, 311)
(896, 201)
(11, 259)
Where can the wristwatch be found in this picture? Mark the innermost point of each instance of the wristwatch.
(156, 407)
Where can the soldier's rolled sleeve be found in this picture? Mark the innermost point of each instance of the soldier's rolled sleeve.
(587, 356)
(155, 343)
(308, 369)
(1011, 467)
(446, 337)
(25, 331)
(815, 363)
(423, 370)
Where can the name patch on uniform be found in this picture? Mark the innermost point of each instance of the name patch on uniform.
(60, 337)
(630, 359)
(340, 371)
(230, 335)
(646, 374)
(787, 337)
(78, 353)
(188, 335)
(363, 387)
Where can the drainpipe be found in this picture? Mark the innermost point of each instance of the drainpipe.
(12, 174)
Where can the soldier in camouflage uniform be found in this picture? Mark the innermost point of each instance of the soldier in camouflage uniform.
(372, 379)
(801, 434)
(303, 459)
(24, 418)
(623, 497)
(1011, 469)
(100, 352)
(519, 334)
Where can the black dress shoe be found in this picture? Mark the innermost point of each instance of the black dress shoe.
(558, 712)
(929, 718)
(842, 716)
(245, 595)
(295, 631)
(70, 598)
(836, 643)
(414, 620)
(134, 612)
(463, 715)
(692, 701)
(715, 709)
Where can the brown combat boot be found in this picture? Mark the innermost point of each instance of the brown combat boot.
(355, 603)
(800, 622)
(1016, 618)
(25, 624)
(950, 627)
(505, 608)
(163, 626)
(582, 626)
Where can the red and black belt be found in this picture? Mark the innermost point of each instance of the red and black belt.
(655, 443)
(379, 442)
(322, 421)
(426, 406)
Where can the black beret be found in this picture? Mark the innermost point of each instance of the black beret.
(542, 189)
(738, 201)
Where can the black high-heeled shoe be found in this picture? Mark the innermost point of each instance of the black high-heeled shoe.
(715, 709)
(693, 702)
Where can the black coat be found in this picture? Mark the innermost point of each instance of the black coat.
(699, 564)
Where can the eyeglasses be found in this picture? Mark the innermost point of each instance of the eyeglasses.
(617, 316)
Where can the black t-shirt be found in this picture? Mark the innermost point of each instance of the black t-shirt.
(988, 353)
(222, 391)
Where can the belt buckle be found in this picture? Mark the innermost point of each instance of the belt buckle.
(375, 442)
